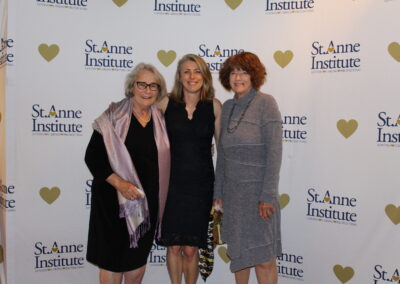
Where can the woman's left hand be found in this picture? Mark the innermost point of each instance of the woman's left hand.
(265, 210)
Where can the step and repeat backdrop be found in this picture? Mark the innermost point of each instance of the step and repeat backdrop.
(3, 34)
(333, 67)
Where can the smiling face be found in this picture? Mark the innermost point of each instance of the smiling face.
(190, 77)
(144, 98)
(240, 82)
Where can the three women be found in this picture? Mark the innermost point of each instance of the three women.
(247, 176)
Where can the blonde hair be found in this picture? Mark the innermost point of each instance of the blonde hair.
(207, 90)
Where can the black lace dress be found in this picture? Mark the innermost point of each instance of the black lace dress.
(192, 175)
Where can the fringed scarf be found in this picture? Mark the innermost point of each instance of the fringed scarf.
(113, 125)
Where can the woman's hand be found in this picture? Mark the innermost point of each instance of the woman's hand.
(265, 210)
(128, 190)
(217, 205)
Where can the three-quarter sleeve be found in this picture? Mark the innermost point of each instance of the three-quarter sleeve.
(272, 137)
(96, 157)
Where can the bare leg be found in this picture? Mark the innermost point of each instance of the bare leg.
(267, 272)
(174, 264)
(190, 264)
(109, 277)
(134, 276)
(242, 276)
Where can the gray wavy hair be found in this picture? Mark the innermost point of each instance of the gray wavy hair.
(131, 79)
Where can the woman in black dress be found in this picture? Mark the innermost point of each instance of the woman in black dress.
(128, 156)
(192, 117)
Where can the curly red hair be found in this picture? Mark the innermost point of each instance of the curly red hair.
(248, 62)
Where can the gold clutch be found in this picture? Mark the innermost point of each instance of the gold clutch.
(217, 222)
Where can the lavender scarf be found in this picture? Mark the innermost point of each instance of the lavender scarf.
(113, 125)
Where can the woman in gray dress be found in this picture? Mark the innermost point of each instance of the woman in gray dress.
(247, 173)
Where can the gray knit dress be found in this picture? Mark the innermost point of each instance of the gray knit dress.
(248, 165)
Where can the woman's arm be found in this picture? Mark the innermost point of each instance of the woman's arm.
(96, 159)
(217, 123)
(272, 137)
(220, 167)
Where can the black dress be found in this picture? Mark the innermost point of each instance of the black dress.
(190, 193)
(108, 241)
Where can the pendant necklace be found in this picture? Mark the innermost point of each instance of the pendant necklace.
(233, 128)
(140, 117)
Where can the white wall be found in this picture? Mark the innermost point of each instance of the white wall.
(333, 118)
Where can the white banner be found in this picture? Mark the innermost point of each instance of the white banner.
(333, 67)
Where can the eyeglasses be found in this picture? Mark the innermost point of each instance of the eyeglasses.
(144, 85)
(237, 73)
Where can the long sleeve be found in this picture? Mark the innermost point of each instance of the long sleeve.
(96, 157)
(272, 135)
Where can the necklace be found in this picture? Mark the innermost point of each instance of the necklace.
(140, 117)
(233, 128)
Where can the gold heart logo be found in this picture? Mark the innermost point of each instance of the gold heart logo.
(343, 274)
(395, 278)
(52, 113)
(119, 3)
(327, 199)
(347, 128)
(49, 195)
(393, 213)
(166, 58)
(283, 58)
(398, 121)
(394, 50)
(331, 49)
(223, 255)
(233, 4)
(104, 49)
(283, 200)
(48, 52)
(1, 254)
